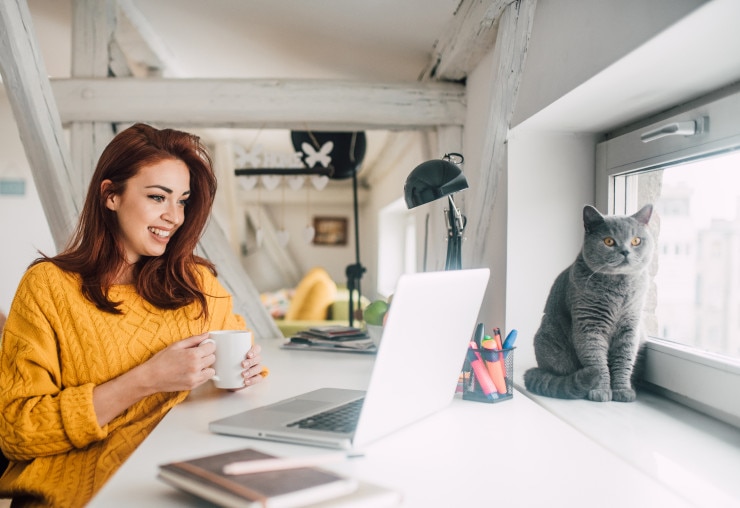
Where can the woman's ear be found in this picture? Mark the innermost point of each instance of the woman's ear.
(111, 199)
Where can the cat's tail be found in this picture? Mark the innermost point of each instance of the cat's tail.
(572, 386)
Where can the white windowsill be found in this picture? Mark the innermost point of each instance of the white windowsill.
(694, 455)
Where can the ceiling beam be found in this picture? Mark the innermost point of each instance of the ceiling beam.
(466, 40)
(145, 53)
(262, 103)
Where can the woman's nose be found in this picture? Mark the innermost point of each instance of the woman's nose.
(173, 214)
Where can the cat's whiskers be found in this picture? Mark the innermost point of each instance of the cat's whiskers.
(594, 272)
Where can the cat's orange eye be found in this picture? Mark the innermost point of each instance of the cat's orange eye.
(636, 241)
(609, 241)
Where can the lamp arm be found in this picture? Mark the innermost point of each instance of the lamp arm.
(455, 227)
(455, 222)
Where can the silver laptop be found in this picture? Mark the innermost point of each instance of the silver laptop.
(426, 336)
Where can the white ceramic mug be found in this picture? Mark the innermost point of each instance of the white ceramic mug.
(231, 349)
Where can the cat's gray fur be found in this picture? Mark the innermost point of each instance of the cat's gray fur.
(590, 332)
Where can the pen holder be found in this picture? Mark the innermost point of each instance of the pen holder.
(488, 375)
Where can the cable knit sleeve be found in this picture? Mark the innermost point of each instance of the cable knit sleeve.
(39, 416)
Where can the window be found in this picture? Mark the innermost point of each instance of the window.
(396, 245)
(688, 165)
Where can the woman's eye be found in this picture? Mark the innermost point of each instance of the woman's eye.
(636, 241)
(609, 241)
(183, 202)
(157, 197)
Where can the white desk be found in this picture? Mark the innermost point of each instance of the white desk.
(514, 453)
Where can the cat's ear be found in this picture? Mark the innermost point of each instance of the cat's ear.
(643, 215)
(591, 218)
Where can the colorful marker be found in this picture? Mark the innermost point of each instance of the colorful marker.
(500, 347)
(487, 386)
(479, 331)
(493, 364)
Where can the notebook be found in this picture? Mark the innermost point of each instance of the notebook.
(430, 323)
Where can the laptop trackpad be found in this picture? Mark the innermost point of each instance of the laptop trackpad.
(299, 406)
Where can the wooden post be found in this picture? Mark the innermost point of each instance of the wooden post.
(31, 99)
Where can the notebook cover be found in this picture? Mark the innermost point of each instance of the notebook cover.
(284, 488)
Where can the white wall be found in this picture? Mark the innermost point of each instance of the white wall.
(573, 40)
(23, 224)
(551, 177)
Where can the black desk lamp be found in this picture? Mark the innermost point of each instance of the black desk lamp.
(436, 179)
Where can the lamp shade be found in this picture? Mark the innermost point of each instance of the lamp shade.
(432, 180)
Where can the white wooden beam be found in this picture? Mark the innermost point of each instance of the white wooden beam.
(143, 49)
(509, 59)
(31, 99)
(93, 23)
(262, 103)
(470, 35)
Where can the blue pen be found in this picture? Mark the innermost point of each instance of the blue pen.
(509, 342)
(510, 339)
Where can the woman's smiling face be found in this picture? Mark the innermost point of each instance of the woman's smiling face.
(151, 207)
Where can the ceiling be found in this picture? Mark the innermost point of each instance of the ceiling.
(378, 40)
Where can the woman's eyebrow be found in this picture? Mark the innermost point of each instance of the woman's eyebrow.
(166, 189)
(161, 187)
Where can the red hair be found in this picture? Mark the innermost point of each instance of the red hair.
(169, 281)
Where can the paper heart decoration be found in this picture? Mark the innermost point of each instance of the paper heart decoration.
(309, 233)
(271, 181)
(319, 181)
(247, 182)
(295, 182)
(259, 236)
(283, 237)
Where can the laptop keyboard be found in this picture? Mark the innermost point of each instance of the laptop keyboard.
(339, 419)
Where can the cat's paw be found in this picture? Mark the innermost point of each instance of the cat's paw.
(600, 395)
(624, 395)
(588, 377)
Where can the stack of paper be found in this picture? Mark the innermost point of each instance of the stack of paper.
(332, 338)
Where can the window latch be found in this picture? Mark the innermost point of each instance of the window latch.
(690, 128)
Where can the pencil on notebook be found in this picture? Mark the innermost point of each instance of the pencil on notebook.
(280, 463)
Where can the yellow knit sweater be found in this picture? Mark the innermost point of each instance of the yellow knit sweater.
(56, 346)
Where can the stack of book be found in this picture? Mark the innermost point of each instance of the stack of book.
(270, 482)
(332, 338)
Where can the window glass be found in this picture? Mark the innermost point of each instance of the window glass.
(695, 300)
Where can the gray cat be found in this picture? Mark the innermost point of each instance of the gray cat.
(588, 340)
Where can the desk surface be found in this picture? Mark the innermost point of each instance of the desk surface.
(514, 453)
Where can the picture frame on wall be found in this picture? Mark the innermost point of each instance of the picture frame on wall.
(330, 230)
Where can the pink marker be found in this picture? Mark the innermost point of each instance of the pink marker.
(480, 372)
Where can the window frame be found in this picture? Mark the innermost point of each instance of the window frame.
(701, 380)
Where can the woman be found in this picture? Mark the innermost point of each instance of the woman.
(103, 339)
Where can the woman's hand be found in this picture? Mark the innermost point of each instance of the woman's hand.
(183, 365)
(253, 370)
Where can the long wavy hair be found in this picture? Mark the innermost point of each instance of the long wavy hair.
(95, 251)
